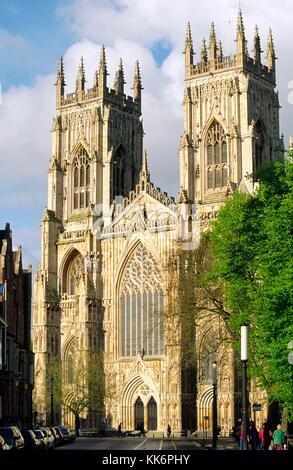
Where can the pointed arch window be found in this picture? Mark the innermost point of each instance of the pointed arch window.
(141, 306)
(118, 173)
(81, 180)
(216, 148)
(73, 274)
(69, 364)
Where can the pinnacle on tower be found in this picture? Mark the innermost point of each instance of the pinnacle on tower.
(80, 79)
(271, 55)
(119, 79)
(213, 43)
(188, 50)
(144, 172)
(204, 52)
(256, 46)
(60, 81)
(220, 51)
(240, 35)
(137, 84)
(102, 73)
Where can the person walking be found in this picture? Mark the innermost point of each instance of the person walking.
(253, 436)
(278, 438)
(265, 437)
(241, 438)
(169, 430)
(141, 430)
(120, 430)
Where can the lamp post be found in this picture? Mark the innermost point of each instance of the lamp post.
(244, 383)
(52, 400)
(215, 423)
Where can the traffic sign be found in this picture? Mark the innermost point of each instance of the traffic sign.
(256, 407)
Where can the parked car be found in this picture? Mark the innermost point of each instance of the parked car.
(57, 437)
(13, 437)
(50, 441)
(4, 445)
(65, 434)
(31, 442)
(41, 437)
(59, 433)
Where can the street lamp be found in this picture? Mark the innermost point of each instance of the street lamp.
(244, 383)
(215, 423)
(52, 400)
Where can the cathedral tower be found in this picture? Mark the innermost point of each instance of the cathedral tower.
(231, 117)
(96, 157)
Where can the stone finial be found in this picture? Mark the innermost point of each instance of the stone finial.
(137, 84)
(188, 39)
(213, 43)
(256, 46)
(80, 79)
(60, 82)
(204, 52)
(220, 51)
(240, 35)
(144, 172)
(119, 79)
(271, 55)
(102, 73)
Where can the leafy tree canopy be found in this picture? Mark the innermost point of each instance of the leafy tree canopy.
(251, 245)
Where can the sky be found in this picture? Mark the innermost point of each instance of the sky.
(35, 33)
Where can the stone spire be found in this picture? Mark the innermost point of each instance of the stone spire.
(102, 73)
(119, 79)
(144, 176)
(213, 43)
(188, 50)
(137, 84)
(240, 36)
(220, 51)
(60, 82)
(256, 47)
(204, 52)
(80, 79)
(271, 55)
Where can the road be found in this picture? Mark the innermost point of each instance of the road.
(130, 443)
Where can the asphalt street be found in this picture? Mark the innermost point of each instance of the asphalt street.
(129, 443)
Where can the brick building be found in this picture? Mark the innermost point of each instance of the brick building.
(16, 357)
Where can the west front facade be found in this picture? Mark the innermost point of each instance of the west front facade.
(108, 234)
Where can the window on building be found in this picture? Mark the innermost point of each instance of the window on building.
(259, 137)
(74, 272)
(118, 173)
(69, 364)
(141, 305)
(217, 172)
(81, 180)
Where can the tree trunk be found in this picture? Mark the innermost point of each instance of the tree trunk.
(77, 425)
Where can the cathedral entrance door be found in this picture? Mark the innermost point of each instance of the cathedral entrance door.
(138, 413)
(152, 414)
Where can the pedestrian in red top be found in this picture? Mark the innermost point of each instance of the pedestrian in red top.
(265, 437)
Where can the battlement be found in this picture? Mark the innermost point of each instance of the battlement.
(229, 63)
(90, 94)
(212, 59)
(99, 90)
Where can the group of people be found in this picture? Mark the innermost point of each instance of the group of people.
(263, 439)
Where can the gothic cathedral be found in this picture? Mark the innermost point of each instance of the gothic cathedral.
(107, 232)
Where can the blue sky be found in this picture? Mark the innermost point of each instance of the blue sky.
(35, 33)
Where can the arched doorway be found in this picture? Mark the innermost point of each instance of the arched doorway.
(152, 414)
(138, 413)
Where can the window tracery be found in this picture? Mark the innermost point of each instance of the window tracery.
(217, 169)
(81, 180)
(141, 304)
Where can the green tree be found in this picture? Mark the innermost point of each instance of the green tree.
(251, 245)
(82, 389)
